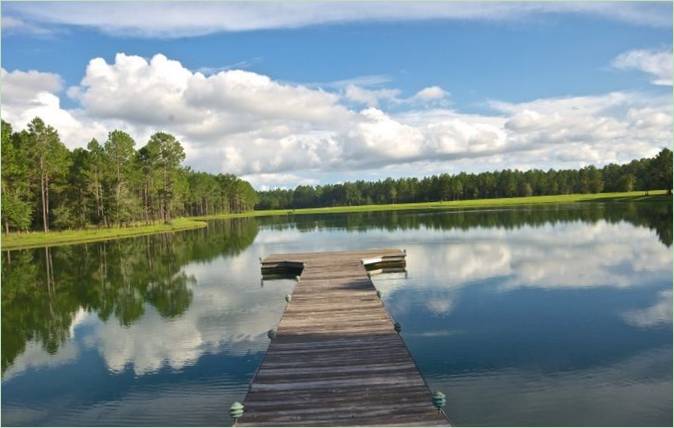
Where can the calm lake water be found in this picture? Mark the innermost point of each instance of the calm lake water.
(555, 315)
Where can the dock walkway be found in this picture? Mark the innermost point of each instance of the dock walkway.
(336, 358)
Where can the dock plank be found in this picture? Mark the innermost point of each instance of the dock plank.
(336, 359)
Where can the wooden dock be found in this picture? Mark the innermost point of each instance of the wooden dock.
(336, 358)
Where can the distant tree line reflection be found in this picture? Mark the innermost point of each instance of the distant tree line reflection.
(656, 215)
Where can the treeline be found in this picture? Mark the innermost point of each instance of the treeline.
(643, 174)
(46, 186)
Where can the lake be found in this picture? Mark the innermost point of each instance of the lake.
(549, 315)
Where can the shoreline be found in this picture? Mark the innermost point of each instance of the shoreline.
(26, 240)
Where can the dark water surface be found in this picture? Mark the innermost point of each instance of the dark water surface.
(555, 315)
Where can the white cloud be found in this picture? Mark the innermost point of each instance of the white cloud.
(370, 97)
(222, 318)
(21, 86)
(658, 314)
(385, 96)
(249, 124)
(26, 95)
(431, 93)
(440, 307)
(602, 255)
(178, 19)
(451, 135)
(237, 65)
(15, 25)
(229, 319)
(596, 129)
(234, 120)
(362, 81)
(274, 180)
(657, 63)
(35, 356)
(379, 135)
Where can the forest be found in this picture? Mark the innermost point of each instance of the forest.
(46, 186)
(642, 174)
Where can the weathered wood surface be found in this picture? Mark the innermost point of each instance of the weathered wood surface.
(336, 359)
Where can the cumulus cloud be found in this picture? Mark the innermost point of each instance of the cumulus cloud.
(233, 320)
(226, 119)
(271, 181)
(603, 255)
(595, 129)
(26, 95)
(658, 314)
(223, 318)
(21, 86)
(440, 307)
(375, 97)
(379, 135)
(249, 124)
(370, 97)
(449, 134)
(148, 19)
(35, 356)
(431, 93)
(657, 63)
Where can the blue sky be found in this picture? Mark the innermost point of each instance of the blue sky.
(510, 82)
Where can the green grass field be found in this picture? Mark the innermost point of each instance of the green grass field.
(40, 239)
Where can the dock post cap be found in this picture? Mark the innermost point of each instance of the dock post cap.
(271, 334)
(236, 410)
(397, 327)
(379, 294)
(288, 298)
(439, 400)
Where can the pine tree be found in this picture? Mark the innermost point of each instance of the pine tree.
(16, 203)
(166, 153)
(49, 159)
(119, 156)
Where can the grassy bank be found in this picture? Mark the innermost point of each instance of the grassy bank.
(654, 195)
(40, 239)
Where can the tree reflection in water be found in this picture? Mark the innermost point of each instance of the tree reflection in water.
(43, 290)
